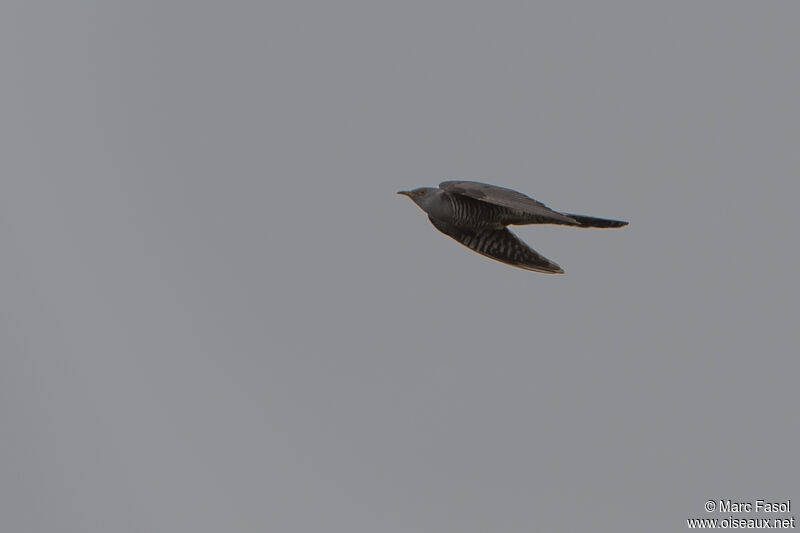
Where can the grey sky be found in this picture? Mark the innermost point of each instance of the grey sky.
(217, 315)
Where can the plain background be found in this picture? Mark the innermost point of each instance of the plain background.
(217, 315)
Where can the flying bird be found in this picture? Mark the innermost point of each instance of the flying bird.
(476, 215)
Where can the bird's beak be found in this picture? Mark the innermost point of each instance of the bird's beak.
(406, 193)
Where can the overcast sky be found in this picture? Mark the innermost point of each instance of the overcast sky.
(217, 315)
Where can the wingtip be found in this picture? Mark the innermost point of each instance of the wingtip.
(549, 269)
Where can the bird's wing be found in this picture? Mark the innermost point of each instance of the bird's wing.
(505, 197)
(499, 244)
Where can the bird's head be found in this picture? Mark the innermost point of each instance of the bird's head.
(423, 196)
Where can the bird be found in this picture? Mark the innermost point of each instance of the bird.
(477, 215)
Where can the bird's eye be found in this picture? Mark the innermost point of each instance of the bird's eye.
(422, 193)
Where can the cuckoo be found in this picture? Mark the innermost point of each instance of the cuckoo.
(476, 215)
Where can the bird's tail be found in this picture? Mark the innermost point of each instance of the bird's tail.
(593, 222)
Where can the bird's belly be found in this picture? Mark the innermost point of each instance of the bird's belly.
(475, 214)
(482, 224)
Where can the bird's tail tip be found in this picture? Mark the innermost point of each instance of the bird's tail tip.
(594, 222)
